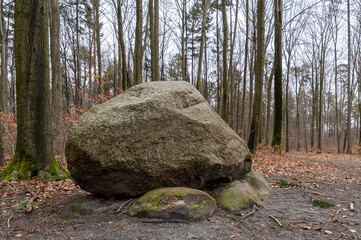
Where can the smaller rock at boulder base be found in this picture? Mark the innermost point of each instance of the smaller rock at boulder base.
(243, 193)
(174, 203)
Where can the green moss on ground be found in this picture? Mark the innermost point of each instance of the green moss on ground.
(76, 211)
(24, 167)
(321, 203)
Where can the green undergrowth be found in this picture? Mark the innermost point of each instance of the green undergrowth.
(321, 203)
(24, 167)
(284, 184)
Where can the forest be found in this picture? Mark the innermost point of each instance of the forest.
(267, 91)
(108, 47)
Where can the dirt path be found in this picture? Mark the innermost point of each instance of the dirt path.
(78, 215)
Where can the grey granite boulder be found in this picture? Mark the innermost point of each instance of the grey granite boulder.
(158, 134)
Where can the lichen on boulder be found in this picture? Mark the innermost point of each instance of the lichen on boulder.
(174, 203)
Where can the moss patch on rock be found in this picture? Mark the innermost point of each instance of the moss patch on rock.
(237, 196)
(24, 167)
(174, 203)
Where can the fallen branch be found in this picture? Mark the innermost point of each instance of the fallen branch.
(125, 205)
(29, 206)
(276, 220)
(156, 220)
(9, 220)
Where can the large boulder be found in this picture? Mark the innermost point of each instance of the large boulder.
(158, 134)
(174, 203)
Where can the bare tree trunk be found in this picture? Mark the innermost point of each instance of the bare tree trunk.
(245, 72)
(230, 74)
(225, 65)
(3, 77)
(349, 93)
(156, 40)
(277, 130)
(138, 58)
(57, 96)
(121, 51)
(201, 49)
(259, 69)
(269, 89)
(34, 150)
(99, 52)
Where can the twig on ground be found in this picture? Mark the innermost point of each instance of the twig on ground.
(248, 214)
(9, 220)
(125, 206)
(29, 206)
(156, 220)
(352, 231)
(276, 220)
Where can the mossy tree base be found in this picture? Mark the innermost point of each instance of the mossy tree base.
(24, 167)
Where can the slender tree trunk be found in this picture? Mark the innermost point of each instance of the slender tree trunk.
(77, 99)
(230, 72)
(218, 67)
(336, 92)
(269, 89)
(184, 55)
(152, 39)
(259, 69)
(138, 59)
(277, 130)
(57, 96)
(298, 111)
(156, 40)
(286, 103)
(245, 71)
(121, 51)
(201, 49)
(225, 65)
(99, 52)
(349, 92)
(4, 76)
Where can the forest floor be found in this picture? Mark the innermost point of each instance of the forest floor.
(61, 210)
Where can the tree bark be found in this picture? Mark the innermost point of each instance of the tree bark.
(4, 94)
(245, 71)
(34, 150)
(138, 59)
(259, 71)
(56, 75)
(349, 92)
(201, 49)
(121, 50)
(277, 130)
(225, 65)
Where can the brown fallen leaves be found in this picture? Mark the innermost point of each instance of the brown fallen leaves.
(308, 165)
